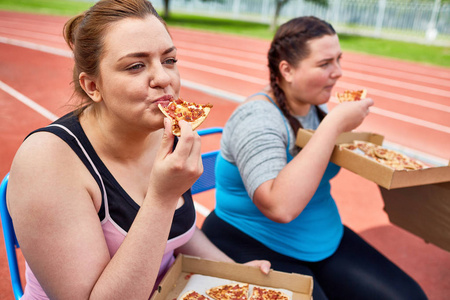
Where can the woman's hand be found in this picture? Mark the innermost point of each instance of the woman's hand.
(264, 265)
(174, 172)
(349, 115)
(199, 245)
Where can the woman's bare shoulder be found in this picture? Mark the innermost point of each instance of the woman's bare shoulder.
(42, 149)
(44, 163)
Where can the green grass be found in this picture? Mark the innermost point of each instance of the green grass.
(51, 7)
(250, 29)
(433, 55)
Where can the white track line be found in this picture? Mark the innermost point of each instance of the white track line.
(28, 102)
(397, 84)
(217, 71)
(35, 35)
(395, 97)
(212, 91)
(382, 72)
(201, 209)
(412, 120)
(222, 72)
(234, 97)
(34, 46)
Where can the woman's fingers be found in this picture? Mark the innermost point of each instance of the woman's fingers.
(264, 265)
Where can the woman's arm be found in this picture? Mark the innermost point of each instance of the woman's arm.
(284, 198)
(51, 197)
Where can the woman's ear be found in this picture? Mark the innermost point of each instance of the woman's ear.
(286, 71)
(90, 87)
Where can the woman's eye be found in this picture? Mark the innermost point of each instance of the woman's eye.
(135, 67)
(171, 61)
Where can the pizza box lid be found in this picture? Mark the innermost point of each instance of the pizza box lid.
(185, 266)
(382, 175)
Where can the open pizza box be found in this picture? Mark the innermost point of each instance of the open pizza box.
(416, 200)
(195, 273)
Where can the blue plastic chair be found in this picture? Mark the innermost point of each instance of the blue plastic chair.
(207, 180)
(11, 243)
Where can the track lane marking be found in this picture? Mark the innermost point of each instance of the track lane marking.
(28, 102)
(396, 97)
(234, 97)
(38, 47)
(201, 209)
(212, 91)
(255, 66)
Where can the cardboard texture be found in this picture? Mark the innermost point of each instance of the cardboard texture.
(415, 200)
(373, 171)
(177, 277)
(422, 210)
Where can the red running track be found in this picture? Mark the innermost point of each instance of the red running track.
(411, 110)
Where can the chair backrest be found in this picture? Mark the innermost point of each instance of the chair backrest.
(207, 180)
(10, 241)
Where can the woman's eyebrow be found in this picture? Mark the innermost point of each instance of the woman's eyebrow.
(328, 59)
(168, 50)
(325, 60)
(145, 54)
(135, 54)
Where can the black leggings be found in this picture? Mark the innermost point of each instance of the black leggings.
(355, 271)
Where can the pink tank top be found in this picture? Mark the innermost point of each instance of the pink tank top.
(116, 204)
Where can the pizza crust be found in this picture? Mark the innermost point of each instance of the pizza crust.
(192, 113)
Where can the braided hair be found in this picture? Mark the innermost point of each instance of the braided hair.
(290, 44)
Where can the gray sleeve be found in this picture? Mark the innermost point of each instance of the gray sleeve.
(255, 140)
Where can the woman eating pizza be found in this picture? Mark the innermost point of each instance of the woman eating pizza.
(98, 198)
(273, 200)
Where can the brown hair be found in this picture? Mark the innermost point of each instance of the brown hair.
(290, 44)
(84, 35)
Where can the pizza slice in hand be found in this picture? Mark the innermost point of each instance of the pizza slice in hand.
(191, 112)
(349, 95)
(237, 291)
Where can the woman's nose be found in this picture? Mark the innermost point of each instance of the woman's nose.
(160, 77)
(337, 71)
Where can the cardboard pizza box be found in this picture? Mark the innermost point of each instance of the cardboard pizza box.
(423, 210)
(382, 175)
(417, 201)
(185, 266)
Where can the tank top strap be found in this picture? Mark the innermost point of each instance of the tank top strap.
(284, 118)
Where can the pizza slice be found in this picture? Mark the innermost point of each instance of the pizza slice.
(260, 293)
(387, 157)
(383, 153)
(366, 147)
(192, 295)
(351, 95)
(237, 291)
(191, 112)
(349, 146)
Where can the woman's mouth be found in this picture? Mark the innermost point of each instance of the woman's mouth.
(329, 87)
(164, 100)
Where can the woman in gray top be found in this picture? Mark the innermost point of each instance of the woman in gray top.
(274, 201)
